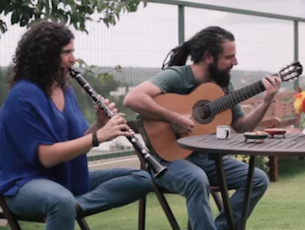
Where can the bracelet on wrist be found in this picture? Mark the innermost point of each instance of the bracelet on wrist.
(95, 141)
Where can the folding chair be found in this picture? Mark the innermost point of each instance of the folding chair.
(166, 208)
(13, 219)
(160, 194)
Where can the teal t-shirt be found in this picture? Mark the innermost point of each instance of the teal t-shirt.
(180, 80)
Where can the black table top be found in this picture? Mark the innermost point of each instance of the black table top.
(292, 144)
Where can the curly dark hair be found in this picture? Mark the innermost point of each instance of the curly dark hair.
(38, 55)
(207, 41)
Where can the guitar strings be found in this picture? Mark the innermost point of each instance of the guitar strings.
(229, 100)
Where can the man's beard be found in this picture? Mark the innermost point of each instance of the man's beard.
(221, 77)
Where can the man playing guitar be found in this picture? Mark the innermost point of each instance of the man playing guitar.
(212, 51)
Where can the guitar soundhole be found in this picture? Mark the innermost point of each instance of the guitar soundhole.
(202, 113)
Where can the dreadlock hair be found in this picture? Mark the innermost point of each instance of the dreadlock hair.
(207, 41)
(38, 55)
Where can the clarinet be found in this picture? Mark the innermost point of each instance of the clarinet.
(156, 167)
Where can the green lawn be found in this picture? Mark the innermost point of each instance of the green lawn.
(282, 207)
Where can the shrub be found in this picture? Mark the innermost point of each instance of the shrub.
(260, 161)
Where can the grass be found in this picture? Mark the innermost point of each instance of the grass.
(282, 207)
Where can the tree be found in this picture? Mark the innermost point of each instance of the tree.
(72, 12)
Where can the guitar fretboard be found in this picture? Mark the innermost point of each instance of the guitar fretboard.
(228, 101)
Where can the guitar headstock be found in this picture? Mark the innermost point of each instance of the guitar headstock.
(291, 71)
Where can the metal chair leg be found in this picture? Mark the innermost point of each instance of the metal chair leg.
(8, 215)
(82, 223)
(142, 213)
(166, 208)
(217, 200)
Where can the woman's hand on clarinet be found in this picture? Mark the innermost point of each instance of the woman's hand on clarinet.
(116, 126)
(100, 116)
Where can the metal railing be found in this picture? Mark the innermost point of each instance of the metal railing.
(181, 19)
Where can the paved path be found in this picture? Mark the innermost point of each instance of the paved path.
(130, 161)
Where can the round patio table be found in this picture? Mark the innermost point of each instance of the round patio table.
(290, 145)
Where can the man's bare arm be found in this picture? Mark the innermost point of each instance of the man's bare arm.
(251, 120)
(140, 100)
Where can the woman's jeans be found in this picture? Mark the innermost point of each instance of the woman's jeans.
(108, 189)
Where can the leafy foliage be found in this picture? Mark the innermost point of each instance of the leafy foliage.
(72, 12)
(105, 77)
(75, 13)
(260, 161)
(84, 101)
(103, 83)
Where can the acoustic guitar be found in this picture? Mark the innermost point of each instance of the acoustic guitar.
(208, 106)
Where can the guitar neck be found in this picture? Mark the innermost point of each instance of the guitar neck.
(229, 100)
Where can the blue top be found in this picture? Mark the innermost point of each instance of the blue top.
(29, 118)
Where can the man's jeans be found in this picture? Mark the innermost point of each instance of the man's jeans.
(192, 178)
(108, 189)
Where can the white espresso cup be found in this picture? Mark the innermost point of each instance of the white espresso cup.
(223, 132)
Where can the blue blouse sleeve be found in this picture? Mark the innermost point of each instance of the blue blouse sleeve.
(78, 120)
(27, 121)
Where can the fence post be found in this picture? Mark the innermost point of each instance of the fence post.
(180, 24)
(296, 47)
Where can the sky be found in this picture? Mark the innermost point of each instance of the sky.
(143, 38)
